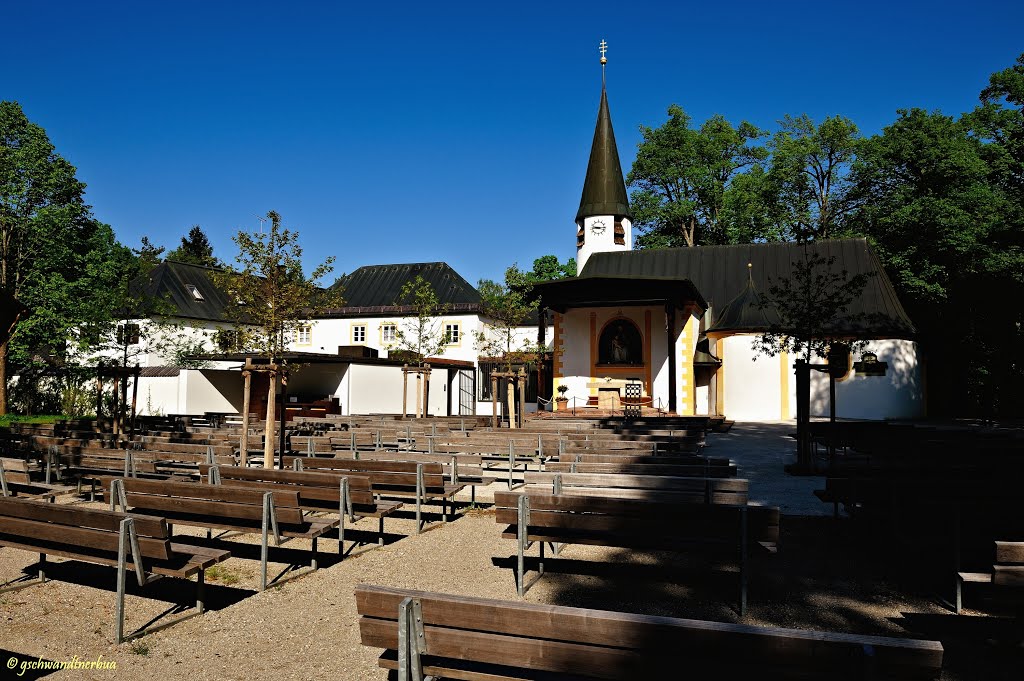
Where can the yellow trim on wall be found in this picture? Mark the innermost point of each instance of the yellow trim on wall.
(686, 390)
(458, 326)
(720, 378)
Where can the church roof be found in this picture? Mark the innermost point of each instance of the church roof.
(721, 275)
(604, 191)
(744, 313)
(380, 285)
(184, 290)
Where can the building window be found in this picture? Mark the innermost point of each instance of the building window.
(452, 333)
(581, 236)
(359, 333)
(620, 232)
(304, 335)
(195, 292)
(127, 334)
(388, 333)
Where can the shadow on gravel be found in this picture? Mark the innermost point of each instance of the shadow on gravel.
(11, 666)
(178, 591)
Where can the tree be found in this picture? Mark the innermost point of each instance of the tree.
(195, 249)
(420, 336)
(809, 310)
(808, 314)
(149, 255)
(505, 308)
(45, 230)
(272, 297)
(681, 178)
(809, 172)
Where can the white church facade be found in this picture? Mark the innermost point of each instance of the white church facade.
(676, 326)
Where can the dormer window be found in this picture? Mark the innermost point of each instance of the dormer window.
(195, 292)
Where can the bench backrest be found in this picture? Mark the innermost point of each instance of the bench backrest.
(684, 470)
(650, 487)
(1009, 564)
(211, 501)
(383, 475)
(610, 645)
(15, 470)
(638, 521)
(311, 486)
(72, 527)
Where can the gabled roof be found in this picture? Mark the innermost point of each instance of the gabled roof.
(604, 191)
(170, 281)
(720, 273)
(381, 285)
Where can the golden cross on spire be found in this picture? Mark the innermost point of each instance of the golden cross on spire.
(603, 48)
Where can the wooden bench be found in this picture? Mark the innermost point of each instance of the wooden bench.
(224, 508)
(130, 542)
(324, 492)
(695, 470)
(461, 469)
(424, 482)
(16, 480)
(431, 635)
(636, 524)
(1007, 571)
(666, 488)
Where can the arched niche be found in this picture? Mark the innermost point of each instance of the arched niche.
(620, 344)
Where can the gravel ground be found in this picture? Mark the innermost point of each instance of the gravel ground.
(306, 626)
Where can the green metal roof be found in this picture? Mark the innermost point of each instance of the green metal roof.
(721, 275)
(604, 191)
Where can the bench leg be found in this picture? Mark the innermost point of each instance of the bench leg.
(264, 550)
(380, 532)
(42, 567)
(958, 599)
(201, 592)
(315, 562)
(121, 578)
(743, 561)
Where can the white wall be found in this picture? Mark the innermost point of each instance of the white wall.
(752, 383)
(158, 395)
(898, 394)
(377, 390)
(328, 334)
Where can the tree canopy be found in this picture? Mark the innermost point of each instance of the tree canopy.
(195, 249)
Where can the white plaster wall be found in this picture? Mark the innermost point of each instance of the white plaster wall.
(752, 388)
(205, 390)
(575, 355)
(328, 334)
(898, 394)
(438, 395)
(158, 395)
(377, 390)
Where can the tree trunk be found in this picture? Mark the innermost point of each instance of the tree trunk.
(268, 430)
(511, 404)
(3, 379)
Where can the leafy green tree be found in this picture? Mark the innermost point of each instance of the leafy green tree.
(505, 307)
(809, 175)
(681, 178)
(420, 336)
(271, 295)
(45, 231)
(148, 253)
(809, 310)
(195, 249)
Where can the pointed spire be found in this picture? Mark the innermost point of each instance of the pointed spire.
(604, 191)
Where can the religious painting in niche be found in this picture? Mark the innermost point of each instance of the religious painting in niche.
(620, 344)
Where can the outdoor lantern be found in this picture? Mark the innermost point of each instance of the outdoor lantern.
(870, 366)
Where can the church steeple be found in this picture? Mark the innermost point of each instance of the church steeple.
(604, 190)
(603, 220)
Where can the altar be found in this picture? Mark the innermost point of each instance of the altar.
(609, 392)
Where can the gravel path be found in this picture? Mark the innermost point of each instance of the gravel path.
(306, 627)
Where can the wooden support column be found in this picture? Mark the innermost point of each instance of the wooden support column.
(405, 391)
(670, 345)
(136, 372)
(494, 400)
(542, 329)
(243, 440)
(522, 396)
(426, 390)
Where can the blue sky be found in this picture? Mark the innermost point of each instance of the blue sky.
(408, 132)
